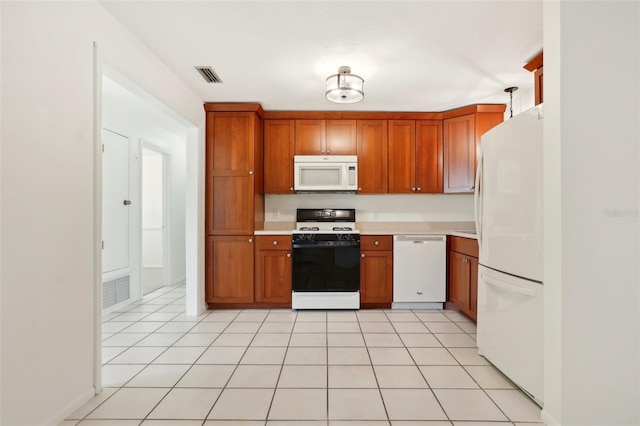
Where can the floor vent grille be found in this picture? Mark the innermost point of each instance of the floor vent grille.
(115, 291)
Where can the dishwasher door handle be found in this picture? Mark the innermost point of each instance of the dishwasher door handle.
(418, 239)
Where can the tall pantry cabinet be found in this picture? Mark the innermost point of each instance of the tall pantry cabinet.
(234, 200)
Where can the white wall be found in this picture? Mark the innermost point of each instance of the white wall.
(591, 212)
(382, 208)
(48, 246)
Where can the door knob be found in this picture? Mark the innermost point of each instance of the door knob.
(126, 202)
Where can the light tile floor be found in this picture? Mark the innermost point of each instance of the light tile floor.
(286, 368)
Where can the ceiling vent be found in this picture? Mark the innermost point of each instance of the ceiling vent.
(209, 74)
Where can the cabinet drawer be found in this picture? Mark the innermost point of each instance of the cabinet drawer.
(376, 242)
(468, 246)
(274, 242)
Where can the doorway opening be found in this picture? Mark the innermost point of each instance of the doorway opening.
(155, 196)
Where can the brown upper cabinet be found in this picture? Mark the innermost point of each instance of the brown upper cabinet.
(234, 173)
(415, 156)
(325, 137)
(463, 128)
(278, 156)
(372, 156)
(535, 66)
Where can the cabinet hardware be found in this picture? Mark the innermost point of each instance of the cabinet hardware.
(359, 189)
(250, 172)
(413, 189)
(376, 243)
(419, 189)
(288, 254)
(362, 255)
(275, 243)
(291, 188)
(419, 293)
(127, 202)
(250, 240)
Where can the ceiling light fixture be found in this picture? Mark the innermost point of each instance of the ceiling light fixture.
(344, 87)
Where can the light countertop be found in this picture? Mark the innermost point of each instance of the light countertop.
(386, 228)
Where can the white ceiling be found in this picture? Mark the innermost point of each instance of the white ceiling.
(413, 55)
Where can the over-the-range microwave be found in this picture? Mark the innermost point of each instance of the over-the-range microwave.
(325, 173)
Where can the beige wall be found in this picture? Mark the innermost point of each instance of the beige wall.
(47, 170)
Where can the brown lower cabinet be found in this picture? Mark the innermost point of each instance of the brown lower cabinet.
(273, 269)
(229, 269)
(463, 275)
(376, 271)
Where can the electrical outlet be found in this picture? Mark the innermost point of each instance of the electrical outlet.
(276, 214)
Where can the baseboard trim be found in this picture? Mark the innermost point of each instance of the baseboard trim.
(60, 415)
(548, 419)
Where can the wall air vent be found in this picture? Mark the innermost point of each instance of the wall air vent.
(209, 74)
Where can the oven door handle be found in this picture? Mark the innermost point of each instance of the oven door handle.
(321, 246)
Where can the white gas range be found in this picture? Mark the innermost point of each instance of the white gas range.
(326, 260)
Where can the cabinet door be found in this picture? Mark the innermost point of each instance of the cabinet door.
(230, 141)
(459, 279)
(340, 137)
(402, 135)
(473, 287)
(230, 204)
(310, 137)
(428, 156)
(273, 276)
(278, 156)
(372, 156)
(459, 153)
(229, 269)
(376, 276)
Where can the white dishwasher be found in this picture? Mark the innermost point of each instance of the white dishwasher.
(419, 271)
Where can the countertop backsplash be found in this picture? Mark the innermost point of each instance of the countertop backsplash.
(397, 208)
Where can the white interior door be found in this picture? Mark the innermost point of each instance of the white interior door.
(153, 220)
(115, 199)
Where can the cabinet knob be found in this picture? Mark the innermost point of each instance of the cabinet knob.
(288, 254)
(275, 243)
(465, 260)
(359, 189)
(413, 189)
(362, 255)
(419, 189)
(250, 172)
(328, 151)
(250, 240)
(376, 243)
(291, 188)
(323, 152)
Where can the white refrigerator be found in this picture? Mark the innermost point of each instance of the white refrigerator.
(508, 210)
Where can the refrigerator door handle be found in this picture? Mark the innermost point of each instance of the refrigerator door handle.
(507, 286)
(477, 207)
